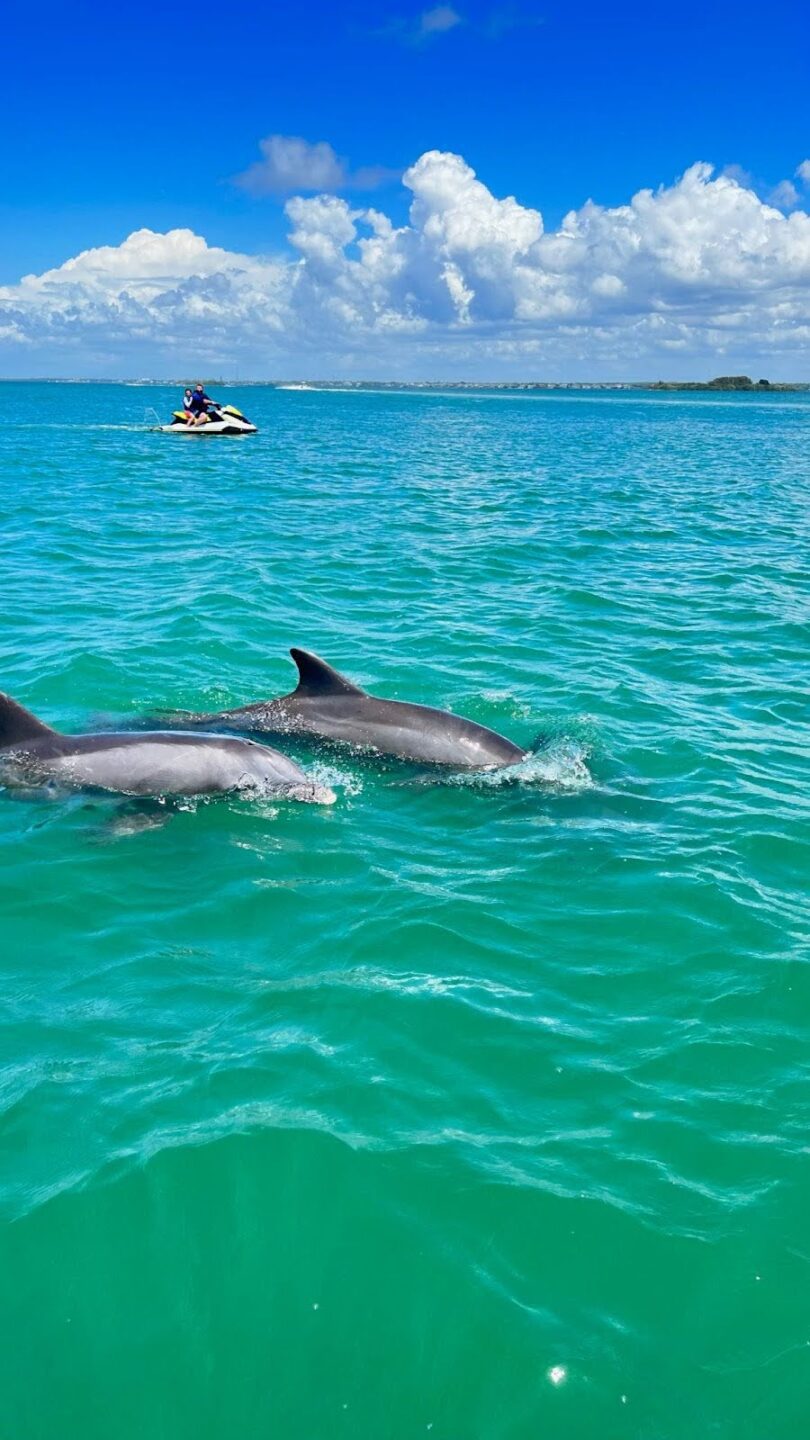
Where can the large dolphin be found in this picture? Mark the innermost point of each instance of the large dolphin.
(153, 764)
(327, 705)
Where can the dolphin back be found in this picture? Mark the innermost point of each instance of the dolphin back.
(327, 706)
(315, 677)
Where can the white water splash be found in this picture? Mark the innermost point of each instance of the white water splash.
(561, 765)
(332, 778)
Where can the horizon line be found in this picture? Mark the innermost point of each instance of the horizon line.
(736, 382)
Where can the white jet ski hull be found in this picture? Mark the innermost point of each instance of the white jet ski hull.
(214, 427)
(222, 420)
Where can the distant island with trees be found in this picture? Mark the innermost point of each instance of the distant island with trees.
(723, 382)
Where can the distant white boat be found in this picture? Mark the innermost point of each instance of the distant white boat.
(296, 385)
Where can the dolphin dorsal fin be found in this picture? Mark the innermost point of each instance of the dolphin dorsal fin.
(318, 678)
(17, 724)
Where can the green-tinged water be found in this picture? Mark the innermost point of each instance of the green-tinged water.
(475, 1108)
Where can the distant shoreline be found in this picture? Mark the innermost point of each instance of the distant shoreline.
(733, 384)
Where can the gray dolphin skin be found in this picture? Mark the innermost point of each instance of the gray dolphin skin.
(158, 763)
(327, 705)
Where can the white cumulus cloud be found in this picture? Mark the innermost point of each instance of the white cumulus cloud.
(691, 278)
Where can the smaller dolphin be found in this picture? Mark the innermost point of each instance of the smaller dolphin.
(327, 705)
(153, 764)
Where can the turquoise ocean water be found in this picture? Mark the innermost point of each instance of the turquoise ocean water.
(475, 1110)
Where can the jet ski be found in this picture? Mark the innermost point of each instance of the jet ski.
(219, 420)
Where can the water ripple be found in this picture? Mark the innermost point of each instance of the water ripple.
(529, 1047)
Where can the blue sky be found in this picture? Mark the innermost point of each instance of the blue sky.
(138, 118)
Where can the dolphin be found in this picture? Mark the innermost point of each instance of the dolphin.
(149, 764)
(327, 705)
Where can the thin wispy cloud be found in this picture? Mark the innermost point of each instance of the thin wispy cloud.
(505, 18)
(438, 20)
(442, 19)
(784, 195)
(291, 164)
(422, 28)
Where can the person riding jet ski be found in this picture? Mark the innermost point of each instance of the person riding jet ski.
(201, 415)
(198, 404)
